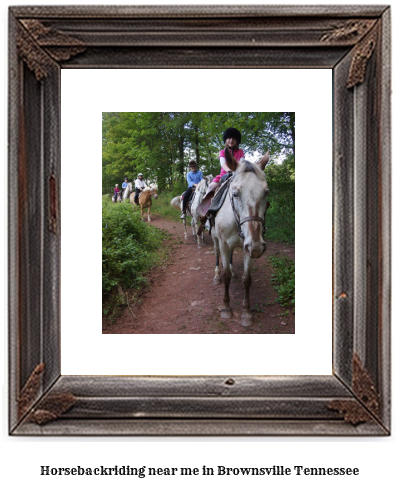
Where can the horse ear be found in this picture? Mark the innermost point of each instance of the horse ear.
(264, 160)
(230, 160)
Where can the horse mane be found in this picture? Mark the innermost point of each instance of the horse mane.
(249, 167)
(202, 183)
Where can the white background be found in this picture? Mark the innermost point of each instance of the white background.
(376, 457)
(308, 352)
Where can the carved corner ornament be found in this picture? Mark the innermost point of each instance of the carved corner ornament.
(355, 412)
(51, 407)
(39, 46)
(350, 32)
(30, 391)
(363, 34)
(363, 52)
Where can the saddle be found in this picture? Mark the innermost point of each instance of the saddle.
(218, 198)
(212, 203)
(138, 197)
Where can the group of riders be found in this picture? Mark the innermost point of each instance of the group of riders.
(231, 140)
(139, 184)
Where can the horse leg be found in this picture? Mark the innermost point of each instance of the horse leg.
(226, 310)
(193, 228)
(142, 212)
(185, 229)
(246, 316)
(216, 280)
(231, 264)
(197, 238)
(149, 218)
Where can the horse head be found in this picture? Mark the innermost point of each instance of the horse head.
(248, 196)
(154, 192)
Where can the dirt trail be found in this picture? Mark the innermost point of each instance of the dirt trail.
(182, 299)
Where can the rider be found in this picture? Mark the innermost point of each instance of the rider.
(231, 140)
(139, 185)
(116, 191)
(124, 185)
(194, 177)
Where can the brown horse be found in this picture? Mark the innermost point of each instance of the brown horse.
(145, 200)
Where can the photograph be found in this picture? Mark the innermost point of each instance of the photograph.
(235, 187)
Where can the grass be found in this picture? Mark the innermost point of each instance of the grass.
(162, 206)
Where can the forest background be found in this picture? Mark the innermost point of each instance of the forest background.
(161, 144)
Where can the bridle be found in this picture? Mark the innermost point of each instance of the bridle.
(240, 221)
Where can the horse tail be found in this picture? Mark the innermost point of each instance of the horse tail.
(176, 202)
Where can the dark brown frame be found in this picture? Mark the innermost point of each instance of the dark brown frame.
(353, 41)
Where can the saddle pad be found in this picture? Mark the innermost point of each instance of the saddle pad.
(219, 198)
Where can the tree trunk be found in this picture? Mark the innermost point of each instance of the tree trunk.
(197, 155)
(292, 128)
(181, 154)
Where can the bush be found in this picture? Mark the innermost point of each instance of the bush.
(283, 279)
(280, 217)
(127, 246)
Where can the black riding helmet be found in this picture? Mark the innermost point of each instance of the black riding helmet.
(232, 133)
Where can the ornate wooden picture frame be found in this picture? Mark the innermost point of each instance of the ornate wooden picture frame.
(352, 41)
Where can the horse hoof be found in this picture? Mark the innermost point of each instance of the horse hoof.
(226, 314)
(216, 281)
(246, 320)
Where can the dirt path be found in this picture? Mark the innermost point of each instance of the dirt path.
(182, 299)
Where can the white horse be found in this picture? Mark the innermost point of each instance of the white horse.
(199, 193)
(127, 191)
(241, 223)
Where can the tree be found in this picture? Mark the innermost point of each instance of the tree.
(160, 144)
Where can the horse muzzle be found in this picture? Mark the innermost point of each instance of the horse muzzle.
(255, 249)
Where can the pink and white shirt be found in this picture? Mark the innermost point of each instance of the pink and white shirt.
(238, 154)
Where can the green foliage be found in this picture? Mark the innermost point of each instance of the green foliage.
(280, 217)
(283, 279)
(127, 246)
(160, 144)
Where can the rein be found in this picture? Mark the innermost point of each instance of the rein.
(246, 219)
